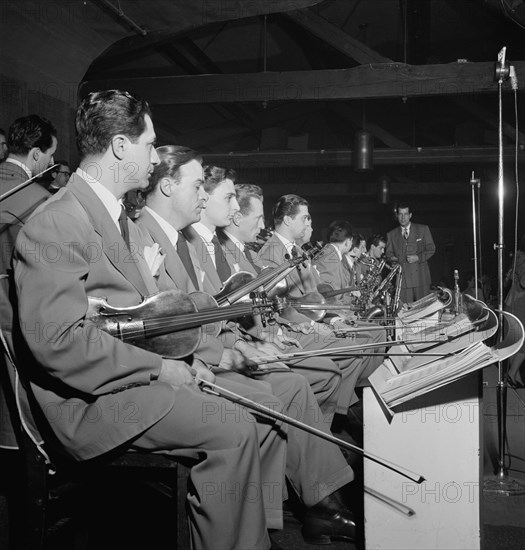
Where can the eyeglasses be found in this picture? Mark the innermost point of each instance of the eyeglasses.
(68, 174)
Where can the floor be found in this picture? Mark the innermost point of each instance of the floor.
(139, 526)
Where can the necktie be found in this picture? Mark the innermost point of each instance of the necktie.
(405, 233)
(249, 257)
(223, 268)
(123, 224)
(184, 255)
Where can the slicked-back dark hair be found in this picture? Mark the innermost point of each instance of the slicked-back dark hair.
(287, 205)
(30, 131)
(403, 204)
(172, 157)
(103, 115)
(375, 240)
(339, 231)
(215, 175)
(245, 192)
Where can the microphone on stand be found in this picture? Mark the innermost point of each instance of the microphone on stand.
(501, 70)
(456, 291)
(513, 78)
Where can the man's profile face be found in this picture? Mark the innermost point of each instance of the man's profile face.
(141, 157)
(189, 198)
(44, 159)
(403, 216)
(222, 204)
(300, 222)
(3, 147)
(251, 223)
(376, 252)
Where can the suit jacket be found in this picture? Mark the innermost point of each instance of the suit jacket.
(95, 391)
(211, 283)
(234, 256)
(332, 270)
(174, 275)
(14, 211)
(419, 242)
(300, 281)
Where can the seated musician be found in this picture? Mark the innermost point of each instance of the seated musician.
(176, 198)
(376, 245)
(330, 263)
(291, 220)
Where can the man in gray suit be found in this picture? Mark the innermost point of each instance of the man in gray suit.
(411, 245)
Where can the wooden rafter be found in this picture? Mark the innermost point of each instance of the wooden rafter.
(370, 81)
(382, 157)
(336, 37)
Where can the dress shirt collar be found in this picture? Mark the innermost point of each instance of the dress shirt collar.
(21, 164)
(351, 259)
(203, 231)
(108, 199)
(206, 235)
(407, 229)
(235, 241)
(171, 232)
(287, 244)
(339, 253)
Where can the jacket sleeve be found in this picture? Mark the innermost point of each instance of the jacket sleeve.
(51, 272)
(429, 245)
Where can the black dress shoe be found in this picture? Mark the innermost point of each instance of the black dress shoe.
(328, 520)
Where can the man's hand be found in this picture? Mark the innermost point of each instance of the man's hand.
(304, 328)
(175, 373)
(272, 336)
(231, 360)
(412, 258)
(202, 371)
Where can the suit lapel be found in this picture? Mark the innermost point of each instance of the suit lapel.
(113, 244)
(172, 263)
(204, 260)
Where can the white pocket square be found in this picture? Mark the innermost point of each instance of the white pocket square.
(154, 258)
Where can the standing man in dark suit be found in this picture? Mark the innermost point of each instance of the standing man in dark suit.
(32, 143)
(411, 245)
(106, 393)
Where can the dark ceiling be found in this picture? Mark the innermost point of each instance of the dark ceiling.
(281, 96)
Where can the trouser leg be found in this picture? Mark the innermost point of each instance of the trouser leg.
(314, 466)
(223, 511)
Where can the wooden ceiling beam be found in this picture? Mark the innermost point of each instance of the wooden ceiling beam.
(382, 157)
(336, 37)
(364, 82)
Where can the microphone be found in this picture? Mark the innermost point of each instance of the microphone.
(501, 71)
(513, 78)
(456, 290)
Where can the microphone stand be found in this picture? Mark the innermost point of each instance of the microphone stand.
(502, 485)
(475, 183)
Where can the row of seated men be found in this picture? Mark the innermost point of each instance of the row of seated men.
(95, 392)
